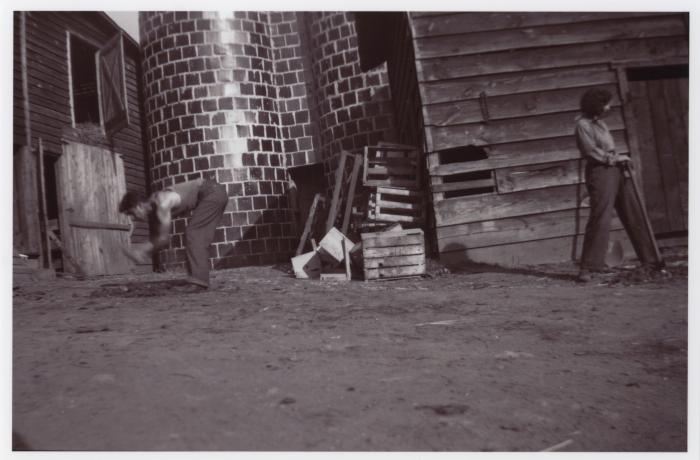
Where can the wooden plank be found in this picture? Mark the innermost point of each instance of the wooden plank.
(410, 250)
(385, 217)
(520, 153)
(399, 192)
(508, 230)
(464, 185)
(561, 56)
(667, 163)
(338, 185)
(530, 252)
(350, 196)
(678, 136)
(549, 36)
(99, 225)
(461, 210)
(390, 240)
(308, 225)
(395, 261)
(394, 272)
(46, 250)
(651, 175)
(391, 170)
(540, 176)
(470, 22)
(510, 106)
(513, 130)
(397, 205)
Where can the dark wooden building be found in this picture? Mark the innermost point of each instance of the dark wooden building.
(78, 137)
(498, 96)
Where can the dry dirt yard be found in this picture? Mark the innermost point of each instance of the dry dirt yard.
(476, 360)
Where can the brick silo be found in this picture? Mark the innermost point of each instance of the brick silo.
(249, 98)
(211, 111)
(354, 107)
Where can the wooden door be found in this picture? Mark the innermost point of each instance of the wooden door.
(90, 183)
(659, 100)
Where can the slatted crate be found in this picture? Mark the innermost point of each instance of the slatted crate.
(391, 165)
(393, 254)
(396, 205)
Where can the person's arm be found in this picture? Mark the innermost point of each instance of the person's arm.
(587, 144)
(165, 201)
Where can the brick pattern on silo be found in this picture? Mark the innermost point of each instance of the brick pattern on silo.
(354, 107)
(210, 100)
(295, 95)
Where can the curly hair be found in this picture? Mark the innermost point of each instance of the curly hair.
(130, 200)
(594, 100)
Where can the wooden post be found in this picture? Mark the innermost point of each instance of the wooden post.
(333, 210)
(48, 263)
(309, 224)
(357, 161)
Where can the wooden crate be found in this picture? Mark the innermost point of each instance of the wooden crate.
(391, 165)
(396, 205)
(394, 254)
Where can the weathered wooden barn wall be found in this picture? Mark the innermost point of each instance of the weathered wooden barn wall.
(510, 83)
(49, 93)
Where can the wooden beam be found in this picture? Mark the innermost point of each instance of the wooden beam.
(519, 229)
(662, 47)
(350, 196)
(469, 22)
(98, 225)
(461, 210)
(513, 129)
(510, 106)
(524, 81)
(520, 154)
(541, 36)
(46, 247)
(308, 225)
(333, 210)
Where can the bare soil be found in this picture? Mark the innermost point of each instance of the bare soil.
(478, 360)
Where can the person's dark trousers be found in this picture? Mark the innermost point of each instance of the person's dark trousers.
(211, 202)
(608, 189)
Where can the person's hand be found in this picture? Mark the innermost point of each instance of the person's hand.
(623, 159)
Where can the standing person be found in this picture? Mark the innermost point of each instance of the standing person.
(608, 189)
(206, 199)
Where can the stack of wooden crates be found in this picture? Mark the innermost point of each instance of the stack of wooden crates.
(392, 173)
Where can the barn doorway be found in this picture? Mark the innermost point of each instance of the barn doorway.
(658, 96)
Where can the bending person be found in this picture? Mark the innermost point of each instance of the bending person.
(206, 199)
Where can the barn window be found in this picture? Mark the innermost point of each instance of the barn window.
(83, 73)
(98, 83)
(468, 183)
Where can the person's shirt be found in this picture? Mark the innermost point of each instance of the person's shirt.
(594, 140)
(188, 192)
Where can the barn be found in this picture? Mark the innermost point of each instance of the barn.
(77, 140)
(494, 97)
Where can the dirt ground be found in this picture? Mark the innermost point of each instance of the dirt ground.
(475, 360)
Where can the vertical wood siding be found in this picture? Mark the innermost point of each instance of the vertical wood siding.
(49, 92)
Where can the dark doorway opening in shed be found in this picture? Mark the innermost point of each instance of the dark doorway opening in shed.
(86, 105)
(471, 183)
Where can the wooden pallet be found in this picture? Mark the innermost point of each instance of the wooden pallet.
(391, 165)
(396, 205)
(394, 254)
